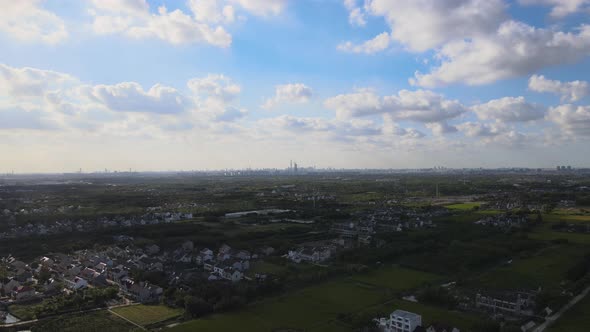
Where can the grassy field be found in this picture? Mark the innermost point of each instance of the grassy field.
(577, 319)
(148, 314)
(396, 278)
(463, 206)
(544, 232)
(92, 322)
(546, 269)
(315, 307)
(266, 267)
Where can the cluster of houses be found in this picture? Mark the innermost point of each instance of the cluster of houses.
(58, 273)
(504, 221)
(508, 203)
(67, 226)
(405, 321)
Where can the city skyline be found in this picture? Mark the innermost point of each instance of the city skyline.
(232, 84)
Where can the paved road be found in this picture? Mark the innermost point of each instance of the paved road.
(551, 319)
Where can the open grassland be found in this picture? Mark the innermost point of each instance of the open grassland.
(316, 306)
(550, 235)
(544, 231)
(99, 321)
(395, 278)
(546, 269)
(464, 206)
(576, 319)
(266, 267)
(148, 314)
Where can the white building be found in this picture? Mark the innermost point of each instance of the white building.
(400, 321)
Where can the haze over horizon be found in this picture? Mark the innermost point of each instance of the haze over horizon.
(215, 84)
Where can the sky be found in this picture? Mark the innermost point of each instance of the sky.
(213, 84)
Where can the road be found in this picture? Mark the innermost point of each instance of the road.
(551, 319)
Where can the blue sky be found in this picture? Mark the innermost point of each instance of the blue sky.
(254, 83)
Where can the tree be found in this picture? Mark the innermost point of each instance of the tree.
(196, 307)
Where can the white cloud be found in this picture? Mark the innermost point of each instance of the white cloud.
(441, 128)
(30, 82)
(515, 49)
(568, 91)
(356, 16)
(363, 102)
(510, 109)
(26, 20)
(262, 7)
(377, 44)
(424, 24)
(421, 105)
(131, 97)
(473, 129)
(215, 86)
(560, 8)
(134, 19)
(290, 93)
(573, 120)
(212, 11)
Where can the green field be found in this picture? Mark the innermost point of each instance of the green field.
(545, 269)
(266, 267)
(315, 307)
(147, 314)
(396, 278)
(99, 321)
(464, 206)
(576, 319)
(544, 232)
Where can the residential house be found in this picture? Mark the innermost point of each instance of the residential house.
(399, 321)
(76, 283)
(23, 293)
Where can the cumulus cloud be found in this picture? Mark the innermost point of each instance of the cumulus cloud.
(356, 15)
(290, 93)
(424, 24)
(27, 20)
(515, 49)
(30, 82)
(360, 103)
(212, 11)
(262, 7)
(573, 120)
(441, 128)
(131, 97)
(476, 129)
(215, 86)
(204, 22)
(510, 109)
(560, 8)
(377, 44)
(568, 91)
(421, 105)
(134, 19)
